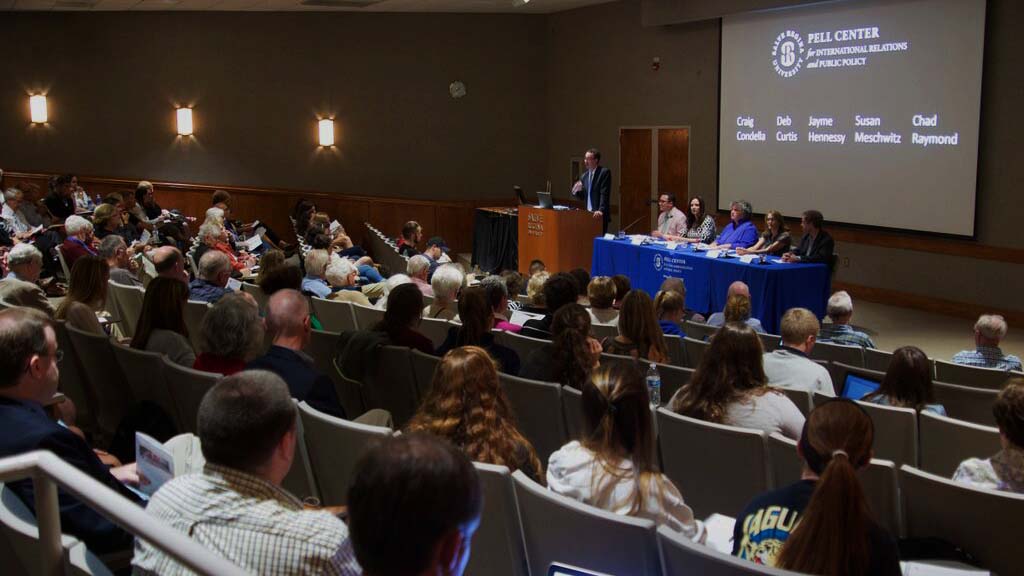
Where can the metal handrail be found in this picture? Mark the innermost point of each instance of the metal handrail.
(47, 471)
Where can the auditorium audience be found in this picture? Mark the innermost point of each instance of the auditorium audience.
(19, 287)
(582, 278)
(740, 232)
(497, 295)
(737, 288)
(613, 465)
(87, 294)
(989, 330)
(622, 287)
(535, 293)
(214, 237)
(446, 283)
(236, 506)
(60, 201)
(572, 353)
(161, 327)
(14, 220)
(477, 319)
(28, 380)
(288, 323)
(390, 284)
(640, 335)
(270, 261)
(417, 268)
(214, 273)
(774, 240)
(1005, 470)
(823, 522)
(343, 278)
(402, 318)
(908, 382)
(601, 295)
(435, 252)
(840, 311)
(677, 285)
(115, 252)
(281, 277)
(669, 307)
(414, 505)
(467, 406)
(700, 226)
(816, 245)
(671, 220)
(412, 234)
(106, 220)
(230, 335)
(559, 290)
(79, 241)
(169, 263)
(536, 267)
(730, 387)
(789, 365)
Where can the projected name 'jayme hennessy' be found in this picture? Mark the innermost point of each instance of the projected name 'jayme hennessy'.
(851, 107)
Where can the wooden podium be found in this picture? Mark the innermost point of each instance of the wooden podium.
(563, 239)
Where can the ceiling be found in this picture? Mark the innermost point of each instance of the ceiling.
(453, 6)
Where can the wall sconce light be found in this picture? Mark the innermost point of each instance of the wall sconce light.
(185, 122)
(37, 107)
(326, 132)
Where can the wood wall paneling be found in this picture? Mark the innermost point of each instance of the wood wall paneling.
(635, 191)
(674, 163)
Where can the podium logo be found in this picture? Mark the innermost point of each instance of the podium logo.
(788, 53)
(657, 262)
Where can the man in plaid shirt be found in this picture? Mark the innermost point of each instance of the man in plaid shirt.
(236, 507)
(989, 330)
(840, 311)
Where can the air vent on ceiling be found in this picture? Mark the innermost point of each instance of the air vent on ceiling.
(340, 3)
(75, 3)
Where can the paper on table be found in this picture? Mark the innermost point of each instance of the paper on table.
(154, 463)
(748, 259)
(671, 245)
(714, 253)
(719, 528)
(636, 239)
(234, 284)
(609, 236)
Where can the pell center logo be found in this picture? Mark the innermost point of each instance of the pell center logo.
(657, 262)
(788, 53)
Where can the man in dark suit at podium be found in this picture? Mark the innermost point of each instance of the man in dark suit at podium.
(595, 188)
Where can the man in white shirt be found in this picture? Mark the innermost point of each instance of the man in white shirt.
(789, 366)
(671, 220)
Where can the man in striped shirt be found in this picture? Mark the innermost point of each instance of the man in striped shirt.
(236, 507)
(989, 330)
(840, 311)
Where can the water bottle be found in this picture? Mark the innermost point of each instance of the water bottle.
(654, 385)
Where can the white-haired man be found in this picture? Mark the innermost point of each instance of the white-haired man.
(840, 311)
(989, 330)
(418, 268)
(80, 241)
(114, 250)
(19, 287)
(214, 273)
(343, 277)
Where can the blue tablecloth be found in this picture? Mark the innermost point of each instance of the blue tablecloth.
(774, 288)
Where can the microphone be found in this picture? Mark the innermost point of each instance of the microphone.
(519, 195)
(630, 225)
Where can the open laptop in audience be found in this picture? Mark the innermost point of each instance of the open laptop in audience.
(856, 387)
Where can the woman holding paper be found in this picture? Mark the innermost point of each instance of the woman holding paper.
(774, 240)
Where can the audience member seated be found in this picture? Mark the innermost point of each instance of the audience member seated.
(535, 293)
(413, 507)
(671, 220)
(1005, 470)
(840, 311)
(60, 201)
(467, 406)
(601, 295)
(497, 296)
(28, 380)
(289, 324)
(477, 319)
(989, 330)
(402, 317)
(169, 263)
(161, 327)
(115, 252)
(19, 288)
(270, 261)
(740, 232)
(816, 245)
(214, 237)
(789, 365)
(412, 234)
(640, 336)
(281, 277)
(700, 226)
(418, 267)
(572, 354)
(390, 284)
(87, 294)
(436, 252)
(106, 220)
(13, 218)
(730, 387)
(559, 290)
(343, 278)
(236, 507)
(79, 242)
(149, 212)
(622, 287)
(222, 199)
(824, 523)
(582, 278)
(231, 334)
(214, 273)
(613, 466)
(908, 382)
(302, 214)
(515, 283)
(536, 266)
(446, 283)
(774, 240)
(741, 308)
(673, 284)
(670, 307)
(316, 263)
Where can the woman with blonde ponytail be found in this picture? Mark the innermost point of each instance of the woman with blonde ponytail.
(822, 524)
(613, 465)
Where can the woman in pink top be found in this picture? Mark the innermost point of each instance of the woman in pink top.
(497, 295)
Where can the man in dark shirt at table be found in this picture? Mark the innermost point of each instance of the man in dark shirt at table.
(816, 245)
(28, 378)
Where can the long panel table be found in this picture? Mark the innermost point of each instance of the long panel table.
(774, 288)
